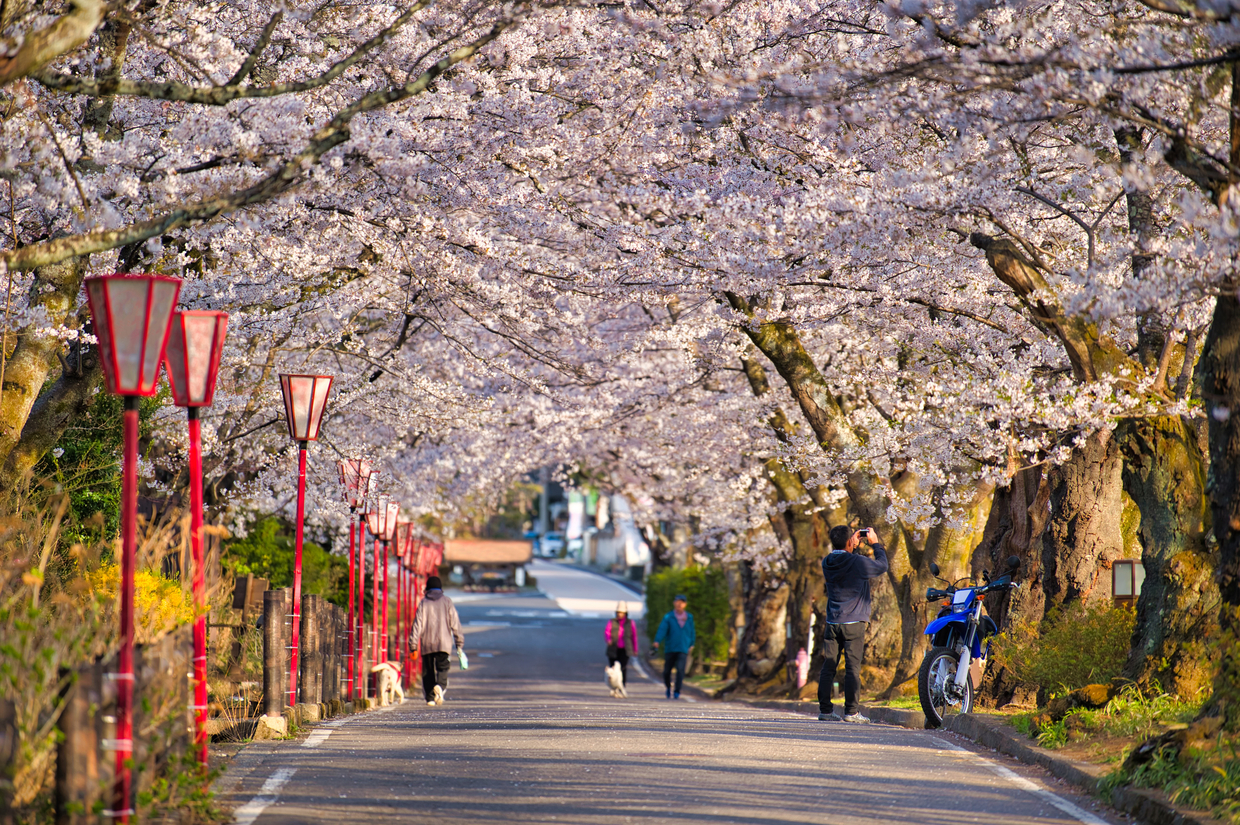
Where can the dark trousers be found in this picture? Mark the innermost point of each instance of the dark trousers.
(434, 672)
(848, 639)
(619, 654)
(674, 660)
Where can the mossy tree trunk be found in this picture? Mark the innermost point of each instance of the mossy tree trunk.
(1220, 388)
(1165, 475)
(804, 526)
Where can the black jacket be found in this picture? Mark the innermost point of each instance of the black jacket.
(848, 584)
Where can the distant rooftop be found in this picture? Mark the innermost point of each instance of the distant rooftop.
(486, 551)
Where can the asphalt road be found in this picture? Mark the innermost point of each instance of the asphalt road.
(529, 734)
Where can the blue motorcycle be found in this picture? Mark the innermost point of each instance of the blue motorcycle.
(952, 669)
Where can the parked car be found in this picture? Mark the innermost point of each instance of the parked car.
(551, 546)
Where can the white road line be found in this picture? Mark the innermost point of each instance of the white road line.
(319, 735)
(1075, 811)
(252, 810)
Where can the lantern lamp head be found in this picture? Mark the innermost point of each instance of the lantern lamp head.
(192, 359)
(382, 519)
(358, 480)
(305, 399)
(131, 316)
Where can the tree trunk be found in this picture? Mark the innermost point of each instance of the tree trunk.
(1017, 519)
(763, 642)
(1084, 533)
(55, 290)
(1165, 475)
(1220, 389)
(56, 408)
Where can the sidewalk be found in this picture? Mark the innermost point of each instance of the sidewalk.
(1150, 807)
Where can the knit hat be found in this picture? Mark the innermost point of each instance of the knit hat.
(622, 607)
(433, 583)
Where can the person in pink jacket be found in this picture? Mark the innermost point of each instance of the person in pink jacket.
(621, 637)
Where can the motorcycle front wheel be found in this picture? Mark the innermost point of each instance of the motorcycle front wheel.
(938, 671)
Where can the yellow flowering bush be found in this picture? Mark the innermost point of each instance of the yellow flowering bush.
(159, 604)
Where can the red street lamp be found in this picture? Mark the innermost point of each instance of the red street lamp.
(383, 525)
(404, 547)
(130, 315)
(192, 362)
(305, 398)
(358, 480)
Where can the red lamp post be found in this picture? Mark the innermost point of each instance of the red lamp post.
(404, 547)
(192, 362)
(305, 399)
(130, 315)
(383, 525)
(357, 478)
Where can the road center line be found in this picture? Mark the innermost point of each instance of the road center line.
(269, 793)
(1075, 811)
(319, 735)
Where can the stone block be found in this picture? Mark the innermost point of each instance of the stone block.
(308, 713)
(271, 727)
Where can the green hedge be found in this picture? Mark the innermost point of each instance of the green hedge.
(707, 589)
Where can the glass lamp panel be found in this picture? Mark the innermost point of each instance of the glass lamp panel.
(1121, 577)
(389, 524)
(126, 318)
(97, 297)
(322, 385)
(201, 354)
(297, 394)
(163, 300)
(376, 518)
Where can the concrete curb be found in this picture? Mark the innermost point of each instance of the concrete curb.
(1149, 807)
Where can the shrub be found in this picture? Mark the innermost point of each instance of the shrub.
(1072, 648)
(707, 590)
(267, 552)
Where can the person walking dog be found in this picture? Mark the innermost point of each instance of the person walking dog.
(621, 637)
(847, 574)
(434, 630)
(677, 629)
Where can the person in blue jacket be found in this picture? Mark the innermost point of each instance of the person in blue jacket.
(678, 631)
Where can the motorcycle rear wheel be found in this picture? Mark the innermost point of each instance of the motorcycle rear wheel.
(937, 670)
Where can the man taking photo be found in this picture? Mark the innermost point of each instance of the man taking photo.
(847, 574)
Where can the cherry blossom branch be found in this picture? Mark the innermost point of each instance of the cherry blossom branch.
(284, 178)
(38, 48)
(264, 40)
(222, 95)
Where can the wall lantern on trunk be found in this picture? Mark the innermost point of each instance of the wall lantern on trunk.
(131, 316)
(305, 399)
(192, 361)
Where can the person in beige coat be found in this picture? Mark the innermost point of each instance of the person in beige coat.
(434, 630)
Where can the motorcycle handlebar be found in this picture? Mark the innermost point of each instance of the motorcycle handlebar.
(934, 595)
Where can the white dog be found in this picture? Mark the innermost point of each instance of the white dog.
(615, 681)
(388, 688)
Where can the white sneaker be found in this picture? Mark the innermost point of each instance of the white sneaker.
(431, 703)
(856, 717)
(438, 695)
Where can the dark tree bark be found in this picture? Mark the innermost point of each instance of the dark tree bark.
(55, 290)
(1084, 533)
(1220, 389)
(1165, 475)
(56, 408)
